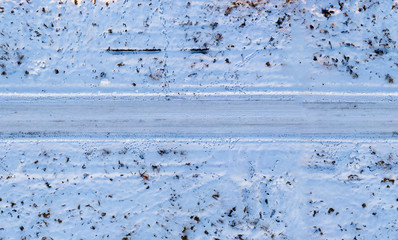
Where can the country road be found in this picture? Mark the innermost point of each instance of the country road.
(196, 118)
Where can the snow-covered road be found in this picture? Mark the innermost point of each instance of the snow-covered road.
(123, 117)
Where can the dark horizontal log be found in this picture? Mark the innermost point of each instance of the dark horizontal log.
(199, 50)
(154, 50)
(134, 50)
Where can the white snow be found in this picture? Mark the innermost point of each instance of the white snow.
(223, 119)
(63, 46)
(155, 189)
